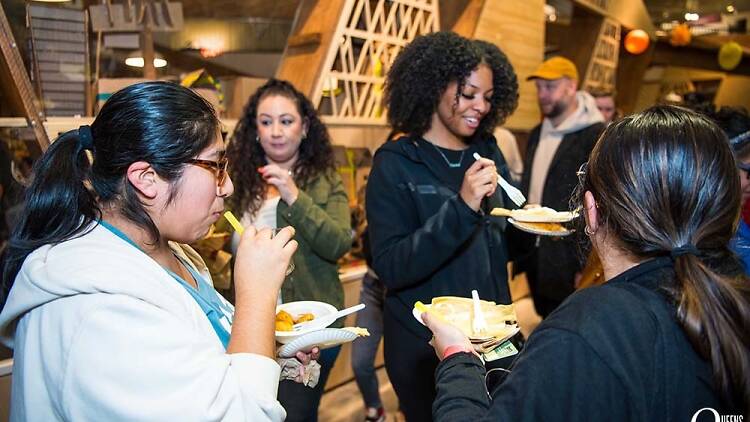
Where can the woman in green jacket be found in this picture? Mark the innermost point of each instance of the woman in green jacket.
(281, 161)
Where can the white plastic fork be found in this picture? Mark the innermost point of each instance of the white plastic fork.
(478, 323)
(514, 194)
(328, 319)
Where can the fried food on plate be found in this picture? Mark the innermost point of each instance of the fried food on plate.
(547, 227)
(536, 215)
(285, 321)
(459, 311)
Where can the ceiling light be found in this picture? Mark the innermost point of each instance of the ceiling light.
(210, 46)
(135, 59)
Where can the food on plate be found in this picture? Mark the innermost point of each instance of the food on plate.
(360, 332)
(285, 321)
(284, 325)
(284, 316)
(304, 317)
(547, 227)
(459, 311)
(536, 215)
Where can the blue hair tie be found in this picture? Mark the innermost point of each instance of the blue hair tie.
(85, 138)
(686, 249)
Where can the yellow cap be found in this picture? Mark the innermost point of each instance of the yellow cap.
(555, 68)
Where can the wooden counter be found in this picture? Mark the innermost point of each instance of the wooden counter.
(351, 279)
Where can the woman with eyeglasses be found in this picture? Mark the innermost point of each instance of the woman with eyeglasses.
(666, 336)
(281, 160)
(110, 315)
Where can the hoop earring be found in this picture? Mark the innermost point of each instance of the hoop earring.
(588, 231)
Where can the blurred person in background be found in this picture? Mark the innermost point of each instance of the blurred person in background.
(736, 125)
(556, 149)
(605, 102)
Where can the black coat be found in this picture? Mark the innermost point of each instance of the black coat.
(550, 263)
(426, 242)
(614, 352)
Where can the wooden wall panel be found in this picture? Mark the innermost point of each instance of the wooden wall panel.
(463, 16)
(630, 71)
(302, 62)
(519, 32)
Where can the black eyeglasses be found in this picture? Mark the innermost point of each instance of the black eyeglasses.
(219, 168)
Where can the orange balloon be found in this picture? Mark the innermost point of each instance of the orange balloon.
(637, 41)
(680, 35)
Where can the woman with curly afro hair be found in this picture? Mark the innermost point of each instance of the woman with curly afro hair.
(281, 162)
(429, 201)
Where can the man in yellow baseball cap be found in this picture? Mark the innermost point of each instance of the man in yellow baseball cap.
(556, 82)
(555, 68)
(555, 150)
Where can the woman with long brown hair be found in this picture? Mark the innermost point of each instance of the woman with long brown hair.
(281, 160)
(668, 334)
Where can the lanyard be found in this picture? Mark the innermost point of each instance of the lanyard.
(217, 312)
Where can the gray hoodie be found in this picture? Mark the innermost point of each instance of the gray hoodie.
(550, 137)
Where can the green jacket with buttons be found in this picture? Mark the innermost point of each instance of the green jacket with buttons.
(321, 219)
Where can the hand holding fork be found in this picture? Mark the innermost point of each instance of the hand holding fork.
(514, 194)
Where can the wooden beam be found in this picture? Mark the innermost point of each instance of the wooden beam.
(16, 84)
(192, 62)
(460, 16)
(147, 51)
(698, 58)
(519, 32)
(632, 14)
(630, 71)
(304, 40)
(302, 64)
(577, 40)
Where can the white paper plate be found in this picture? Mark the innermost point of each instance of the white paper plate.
(324, 339)
(557, 217)
(418, 317)
(523, 227)
(319, 309)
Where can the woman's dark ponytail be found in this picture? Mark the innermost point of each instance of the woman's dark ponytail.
(713, 310)
(58, 204)
(160, 123)
(665, 183)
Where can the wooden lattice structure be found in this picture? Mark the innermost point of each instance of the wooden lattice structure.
(368, 37)
(601, 72)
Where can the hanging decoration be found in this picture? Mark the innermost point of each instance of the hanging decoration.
(730, 55)
(636, 41)
(206, 86)
(378, 71)
(680, 35)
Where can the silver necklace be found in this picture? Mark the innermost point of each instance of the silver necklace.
(451, 165)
